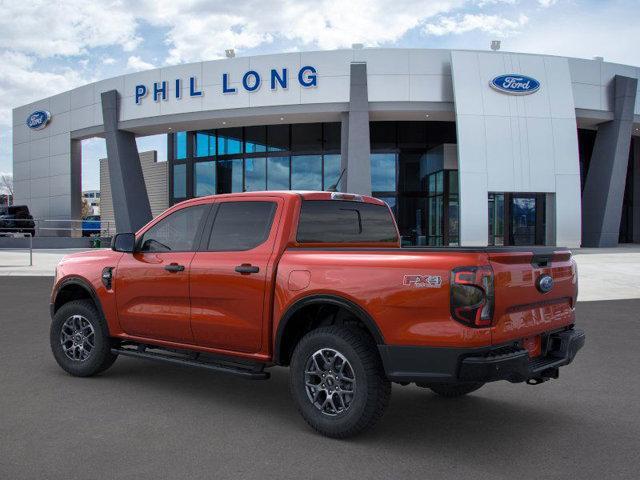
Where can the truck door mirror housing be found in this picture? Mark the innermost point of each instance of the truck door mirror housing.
(123, 242)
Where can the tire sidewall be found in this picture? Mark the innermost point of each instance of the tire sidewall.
(102, 346)
(302, 353)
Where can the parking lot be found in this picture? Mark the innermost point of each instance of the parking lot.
(148, 420)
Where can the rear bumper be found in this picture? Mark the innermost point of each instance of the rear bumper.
(507, 362)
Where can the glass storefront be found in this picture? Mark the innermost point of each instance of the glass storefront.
(517, 218)
(243, 159)
(407, 168)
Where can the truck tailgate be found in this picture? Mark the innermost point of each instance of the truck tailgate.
(522, 308)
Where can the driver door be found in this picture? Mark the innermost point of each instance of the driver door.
(152, 284)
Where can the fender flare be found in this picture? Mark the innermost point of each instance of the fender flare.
(348, 305)
(82, 283)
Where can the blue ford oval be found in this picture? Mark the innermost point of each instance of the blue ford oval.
(38, 119)
(515, 84)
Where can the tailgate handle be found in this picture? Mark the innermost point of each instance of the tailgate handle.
(541, 260)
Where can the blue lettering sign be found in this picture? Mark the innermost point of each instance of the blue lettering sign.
(225, 84)
(192, 88)
(253, 85)
(310, 80)
(141, 92)
(157, 90)
(275, 77)
(515, 84)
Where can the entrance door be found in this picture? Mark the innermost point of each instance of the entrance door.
(526, 219)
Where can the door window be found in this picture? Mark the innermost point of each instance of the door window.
(241, 225)
(176, 232)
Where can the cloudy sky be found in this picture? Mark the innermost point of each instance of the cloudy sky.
(47, 47)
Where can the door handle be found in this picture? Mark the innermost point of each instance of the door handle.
(247, 268)
(174, 267)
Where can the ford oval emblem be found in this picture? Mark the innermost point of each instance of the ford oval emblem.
(38, 119)
(515, 84)
(544, 283)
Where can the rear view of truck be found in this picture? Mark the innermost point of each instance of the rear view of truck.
(527, 299)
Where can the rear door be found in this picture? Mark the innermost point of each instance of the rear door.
(229, 275)
(526, 302)
(152, 284)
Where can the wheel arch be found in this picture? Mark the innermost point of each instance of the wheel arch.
(75, 288)
(283, 346)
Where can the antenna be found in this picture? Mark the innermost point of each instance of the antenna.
(334, 187)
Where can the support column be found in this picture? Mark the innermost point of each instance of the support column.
(128, 190)
(356, 155)
(604, 187)
(636, 190)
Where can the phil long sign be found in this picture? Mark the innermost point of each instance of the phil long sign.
(250, 81)
(515, 84)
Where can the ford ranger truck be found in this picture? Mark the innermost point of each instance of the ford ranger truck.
(316, 281)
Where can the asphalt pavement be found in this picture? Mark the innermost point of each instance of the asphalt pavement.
(154, 421)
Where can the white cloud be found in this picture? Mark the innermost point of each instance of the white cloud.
(135, 63)
(46, 28)
(491, 24)
(547, 3)
(108, 61)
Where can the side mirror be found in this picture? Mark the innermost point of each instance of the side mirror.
(123, 242)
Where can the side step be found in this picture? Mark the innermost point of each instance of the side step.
(251, 371)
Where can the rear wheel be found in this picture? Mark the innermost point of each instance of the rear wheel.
(80, 339)
(337, 381)
(452, 390)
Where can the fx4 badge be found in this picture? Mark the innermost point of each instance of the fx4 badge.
(423, 281)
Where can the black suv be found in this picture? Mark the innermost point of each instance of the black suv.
(17, 219)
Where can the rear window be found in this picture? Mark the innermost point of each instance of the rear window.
(337, 221)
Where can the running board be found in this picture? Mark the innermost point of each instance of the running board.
(249, 371)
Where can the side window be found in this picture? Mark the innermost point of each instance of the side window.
(175, 233)
(241, 225)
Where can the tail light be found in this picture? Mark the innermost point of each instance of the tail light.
(472, 295)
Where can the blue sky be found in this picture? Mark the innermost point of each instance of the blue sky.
(50, 47)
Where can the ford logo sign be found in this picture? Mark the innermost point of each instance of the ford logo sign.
(544, 283)
(38, 119)
(515, 84)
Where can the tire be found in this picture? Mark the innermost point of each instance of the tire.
(452, 390)
(348, 413)
(81, 317)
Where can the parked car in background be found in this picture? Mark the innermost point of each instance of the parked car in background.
(91, 225)
(17, 219)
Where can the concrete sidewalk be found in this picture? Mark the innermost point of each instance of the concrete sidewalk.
(604, 273)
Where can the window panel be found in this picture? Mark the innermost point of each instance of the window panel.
(241, 225)
(331, 170)
(205, 144)
(255, 139)
(332, 136)
(176, 232)
(180, 180)
(383, 172)
(255, 174)
(306, 172)
(306, 137)
(180, 146)
(278, 173)
(230, 141)
(204, 178)
(278, 138)
(229, 174)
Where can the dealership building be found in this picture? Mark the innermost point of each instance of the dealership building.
(468, 148)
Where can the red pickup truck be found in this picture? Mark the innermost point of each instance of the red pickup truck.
(316, 281)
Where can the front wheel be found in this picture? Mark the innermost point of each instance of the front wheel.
(337, 381)
(80, 340)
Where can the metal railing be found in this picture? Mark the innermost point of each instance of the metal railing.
(57, 228)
